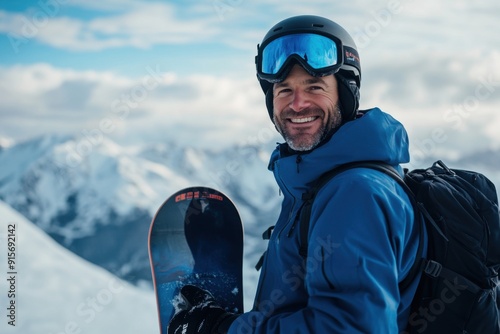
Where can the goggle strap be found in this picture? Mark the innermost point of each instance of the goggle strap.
(351, 57)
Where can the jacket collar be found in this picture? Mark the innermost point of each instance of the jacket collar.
(375, 136)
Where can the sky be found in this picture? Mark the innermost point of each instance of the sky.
(141, 72)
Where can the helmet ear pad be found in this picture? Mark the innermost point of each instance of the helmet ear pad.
(269, 102)
(348, 97)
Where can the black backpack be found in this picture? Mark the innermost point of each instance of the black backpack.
(459, 290)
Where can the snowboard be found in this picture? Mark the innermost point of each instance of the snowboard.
(196, 237)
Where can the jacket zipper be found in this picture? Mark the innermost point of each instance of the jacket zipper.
(298, 160)
(264, 265)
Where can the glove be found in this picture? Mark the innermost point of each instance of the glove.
(203, 314)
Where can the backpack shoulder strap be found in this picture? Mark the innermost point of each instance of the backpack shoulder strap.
(385, 168)
(309, 196)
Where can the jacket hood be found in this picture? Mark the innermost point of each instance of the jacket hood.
(374, 136)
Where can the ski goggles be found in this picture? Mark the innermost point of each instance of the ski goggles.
(318, 54)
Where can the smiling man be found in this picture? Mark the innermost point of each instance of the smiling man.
(305, 108)
(362, 238)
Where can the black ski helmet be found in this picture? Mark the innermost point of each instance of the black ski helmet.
(347, 72)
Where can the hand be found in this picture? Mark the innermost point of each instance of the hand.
(203, 314)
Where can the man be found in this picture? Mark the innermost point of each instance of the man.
(362, 237)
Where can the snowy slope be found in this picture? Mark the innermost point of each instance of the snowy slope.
(58, 292)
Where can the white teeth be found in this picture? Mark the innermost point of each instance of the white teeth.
(302, 120)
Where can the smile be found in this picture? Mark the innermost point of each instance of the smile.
(302, 120)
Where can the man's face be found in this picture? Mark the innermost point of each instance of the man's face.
(305, 108)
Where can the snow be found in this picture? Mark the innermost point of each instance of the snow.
(58, 292)
(6, 142)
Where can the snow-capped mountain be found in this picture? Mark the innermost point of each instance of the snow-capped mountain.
(97, 200)
(55, 291)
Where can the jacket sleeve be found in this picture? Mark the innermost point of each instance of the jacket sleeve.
(358, 230)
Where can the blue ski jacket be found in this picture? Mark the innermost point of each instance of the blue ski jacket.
(362, 239)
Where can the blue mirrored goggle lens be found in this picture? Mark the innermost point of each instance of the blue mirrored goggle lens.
(316, 50)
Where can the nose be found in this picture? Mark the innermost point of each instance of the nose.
(299, 101)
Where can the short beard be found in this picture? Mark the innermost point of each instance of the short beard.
(333, 122)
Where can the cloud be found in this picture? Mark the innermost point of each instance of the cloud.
(242, 24)
(155, 106)
(448, 104)
(203, 111)
(143, 26)
(70, 94)
(424, 64)
(434, 101)
(434, 81)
